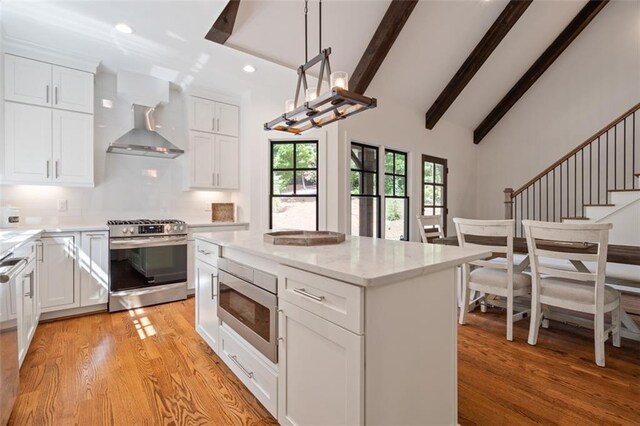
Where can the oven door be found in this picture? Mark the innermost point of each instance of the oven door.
(250, 311)
(138, 263)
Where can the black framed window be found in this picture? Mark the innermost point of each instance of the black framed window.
(434, 187)
(294, 185)
(396, 201)
(365, 201)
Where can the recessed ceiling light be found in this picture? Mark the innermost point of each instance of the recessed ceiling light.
(123, 28)
(249, 68)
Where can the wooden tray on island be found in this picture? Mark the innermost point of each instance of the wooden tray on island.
(303, 238)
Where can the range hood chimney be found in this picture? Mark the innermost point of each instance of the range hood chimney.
(144, 93)
(143, 140)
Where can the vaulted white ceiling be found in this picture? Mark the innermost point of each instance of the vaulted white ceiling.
(169, 42)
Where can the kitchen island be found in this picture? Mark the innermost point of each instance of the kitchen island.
(366, 329)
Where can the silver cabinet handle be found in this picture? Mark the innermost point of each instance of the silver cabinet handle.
(30, 293)
(213, 279)
(244, 370)
(213, 123)
(56, 95)
(218, 126)
(48, 169)
(213, 179)
(56, 169)
(304, 292)
(47, 93)
(205, 252)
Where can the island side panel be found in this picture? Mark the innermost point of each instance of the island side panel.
(411, 351)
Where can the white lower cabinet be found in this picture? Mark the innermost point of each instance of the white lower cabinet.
(321, 371)
(28, 308)
(73, 270)
(207, 322)
(257, 375)
(58, 272)
(94, 268)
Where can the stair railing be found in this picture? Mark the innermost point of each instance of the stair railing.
(583, 177)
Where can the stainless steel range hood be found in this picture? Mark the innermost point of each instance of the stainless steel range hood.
(143, 140)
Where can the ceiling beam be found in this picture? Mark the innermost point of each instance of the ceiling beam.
(507, 19)
(223, 27)
(380, 44)
(575, 27)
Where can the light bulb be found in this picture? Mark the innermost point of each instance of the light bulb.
(288, 105)
(339, 79)
(310, 95)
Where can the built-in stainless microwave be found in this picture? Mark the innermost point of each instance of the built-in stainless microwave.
(248, 303)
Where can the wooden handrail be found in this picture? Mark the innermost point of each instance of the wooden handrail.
(577, 149)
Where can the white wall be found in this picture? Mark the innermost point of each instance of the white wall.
(595, 80)
(396, 126)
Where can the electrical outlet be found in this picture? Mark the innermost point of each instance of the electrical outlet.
(63, 205)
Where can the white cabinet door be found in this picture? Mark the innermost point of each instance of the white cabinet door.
(58, 273)
(202, 114)
(202, 156)
(94, 268)
(27, 143)
(227, 119)
(72, 147)
(321, 371)
(27, 319)
(207, 303)
(227, 162)
(27, 81)
(72, 89)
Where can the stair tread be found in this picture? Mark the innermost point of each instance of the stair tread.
(624, 190)
(599, 205)
(575, 218)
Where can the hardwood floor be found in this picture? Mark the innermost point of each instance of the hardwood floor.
(150, 367)
(554, 382)
(145, 367)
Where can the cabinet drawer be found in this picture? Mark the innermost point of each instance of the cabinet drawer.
(261, 380)
(207, 252)
(333, 300)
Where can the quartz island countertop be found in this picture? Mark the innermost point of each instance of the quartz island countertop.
(361, 261)
(14, 239)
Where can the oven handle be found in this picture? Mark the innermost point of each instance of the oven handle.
(147, 242)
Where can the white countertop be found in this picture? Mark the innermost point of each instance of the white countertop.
(215, 224)
(14, 239)
(359, 260)
(58, 228)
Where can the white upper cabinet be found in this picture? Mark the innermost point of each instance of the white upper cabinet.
(202, 153)
(48, 124)
(206, 115)
(27, 143)
(202, 114)
(39, 83)
(72, 148)
(72, 89)
(227, 120)
(214, 161)
(27, 81)
(227, 162)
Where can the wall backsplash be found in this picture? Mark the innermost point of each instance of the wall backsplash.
(125, 186)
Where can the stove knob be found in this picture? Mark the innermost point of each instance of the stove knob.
(181, 227)
(131, 229)
(125, 230)
(175, 228)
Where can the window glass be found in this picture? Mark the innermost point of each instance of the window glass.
(294, 185)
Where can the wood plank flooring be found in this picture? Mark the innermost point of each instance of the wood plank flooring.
(147, 367)
(150, 367)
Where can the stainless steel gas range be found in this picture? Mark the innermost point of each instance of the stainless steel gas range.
(148, 262)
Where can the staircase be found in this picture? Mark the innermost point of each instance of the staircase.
(598, 181)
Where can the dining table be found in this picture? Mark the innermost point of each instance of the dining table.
(616, 253)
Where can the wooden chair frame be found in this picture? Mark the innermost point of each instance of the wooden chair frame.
(435, 221)
(495, 228)
(594, 233)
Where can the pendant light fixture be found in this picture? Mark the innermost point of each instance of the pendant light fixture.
(319, 108)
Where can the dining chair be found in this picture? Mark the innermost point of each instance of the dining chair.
(431, 226)
(580, 290)
(491, 277)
